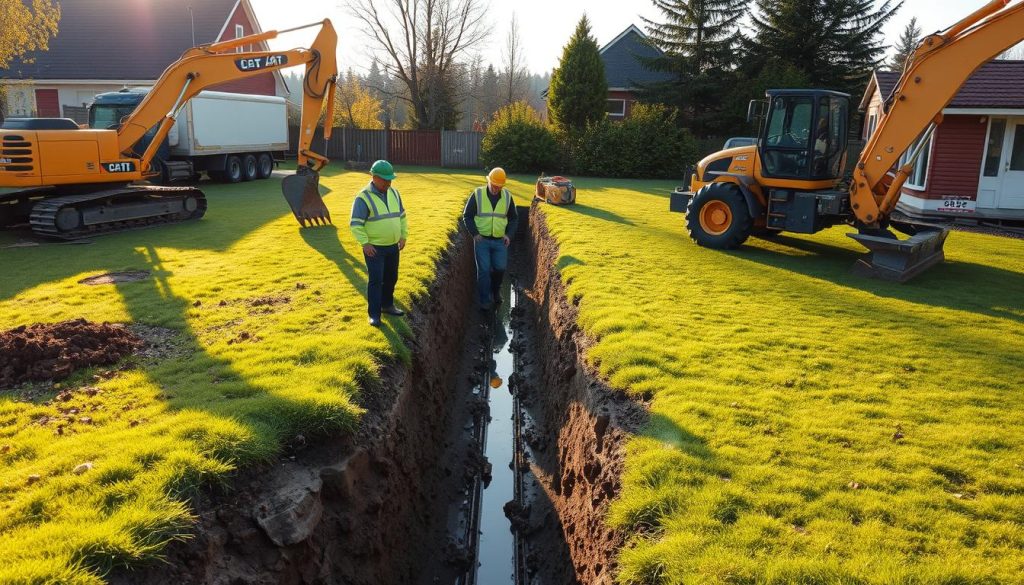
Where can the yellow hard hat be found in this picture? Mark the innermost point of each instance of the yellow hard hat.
(496, 177)
(496, 381)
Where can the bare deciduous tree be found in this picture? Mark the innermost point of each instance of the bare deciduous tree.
(419, 42)
(512, 58)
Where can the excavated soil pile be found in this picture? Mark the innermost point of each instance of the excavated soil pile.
(52, 351)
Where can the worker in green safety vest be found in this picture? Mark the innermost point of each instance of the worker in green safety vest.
(490, 216)
(381, 228)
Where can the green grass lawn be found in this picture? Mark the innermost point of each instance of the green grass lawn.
(808, 426)
(161, 429)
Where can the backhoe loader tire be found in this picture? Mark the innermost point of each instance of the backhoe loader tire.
(250, 172)
(264, 166)
(233, 170)
(718, 217)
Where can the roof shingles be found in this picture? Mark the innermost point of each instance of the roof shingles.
(623, 65)
(113, 39)
(996, 84)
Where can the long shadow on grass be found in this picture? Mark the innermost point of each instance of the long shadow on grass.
(598, 213)
(327, 242)
(964, 286)
(234, 212)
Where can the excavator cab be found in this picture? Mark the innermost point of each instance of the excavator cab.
(804, 134)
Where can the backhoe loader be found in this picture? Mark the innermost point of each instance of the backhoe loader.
(72, 182)
(792, 180)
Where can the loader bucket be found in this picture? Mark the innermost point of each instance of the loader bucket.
(900, 260)
(302, 192)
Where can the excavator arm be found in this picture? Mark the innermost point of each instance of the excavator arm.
(208, 65)
(931, 79)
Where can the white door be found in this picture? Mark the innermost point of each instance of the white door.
(1011, 196)
(991, 181)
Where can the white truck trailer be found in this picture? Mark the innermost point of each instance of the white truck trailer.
(232, 137)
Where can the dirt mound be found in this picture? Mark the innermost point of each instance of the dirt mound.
(52, 351)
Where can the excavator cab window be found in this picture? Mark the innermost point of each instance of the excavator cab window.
(805, 135)
(108, 117)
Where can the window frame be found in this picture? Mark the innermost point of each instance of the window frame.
(239, 33)
(614, 115)
(922, 161)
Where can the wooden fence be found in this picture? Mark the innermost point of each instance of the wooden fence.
(402, 147)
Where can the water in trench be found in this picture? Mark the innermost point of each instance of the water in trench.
(496, 547)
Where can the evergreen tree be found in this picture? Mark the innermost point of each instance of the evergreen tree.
(907, 44)
(578, 91)
(489, 95)
(834, 43)
(700, 39)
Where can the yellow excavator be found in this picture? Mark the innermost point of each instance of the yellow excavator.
(71, 182)
(792, 179)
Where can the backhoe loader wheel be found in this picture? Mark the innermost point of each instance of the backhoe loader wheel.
(717, 217)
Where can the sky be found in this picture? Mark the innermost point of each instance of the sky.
(545, 25)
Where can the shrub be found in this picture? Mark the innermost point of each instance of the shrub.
(648, 144)
(519, 141)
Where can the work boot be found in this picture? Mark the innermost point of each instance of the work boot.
(392, 310)
(374, 321)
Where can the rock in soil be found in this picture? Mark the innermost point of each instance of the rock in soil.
(52, 351)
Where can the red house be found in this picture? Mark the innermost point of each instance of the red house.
(106, 45)
(974, 164)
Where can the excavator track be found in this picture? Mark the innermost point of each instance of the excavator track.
(70, 217)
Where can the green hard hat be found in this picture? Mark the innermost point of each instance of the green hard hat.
(383, 169)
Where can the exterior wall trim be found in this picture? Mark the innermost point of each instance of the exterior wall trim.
(985, 111)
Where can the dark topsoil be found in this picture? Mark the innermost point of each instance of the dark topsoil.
(54, 351)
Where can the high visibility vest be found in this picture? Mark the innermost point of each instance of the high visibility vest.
(384, 224)
(491, 221)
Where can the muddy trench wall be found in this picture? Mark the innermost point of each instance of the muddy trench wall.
(584, 421)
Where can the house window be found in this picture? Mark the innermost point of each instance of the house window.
(239, 33)
(616, 108)
(995, 147)
(919, 173)
(872, 123)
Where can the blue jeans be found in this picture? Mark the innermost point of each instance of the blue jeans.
(382, 275)
(491, 262)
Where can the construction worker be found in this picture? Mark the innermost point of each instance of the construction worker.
(381, 228)
(490, 215)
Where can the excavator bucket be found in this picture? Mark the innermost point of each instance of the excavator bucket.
(302, 192)
(900, 260)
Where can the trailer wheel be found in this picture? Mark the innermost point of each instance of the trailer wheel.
(249, 170)
(264, 166)
(233, 169)
(717, 217)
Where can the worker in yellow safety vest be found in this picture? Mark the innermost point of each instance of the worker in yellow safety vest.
(490, 216)
(381, 228)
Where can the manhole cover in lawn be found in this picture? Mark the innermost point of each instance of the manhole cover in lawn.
(116, 277)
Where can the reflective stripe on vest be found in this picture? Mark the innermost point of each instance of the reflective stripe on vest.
(385, 228)
(491, 221)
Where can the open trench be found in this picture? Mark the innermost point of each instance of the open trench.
(491, 459)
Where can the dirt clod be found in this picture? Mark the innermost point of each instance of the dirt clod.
(52, 351)
(34, 478)
(82, 468)
(116, 277)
